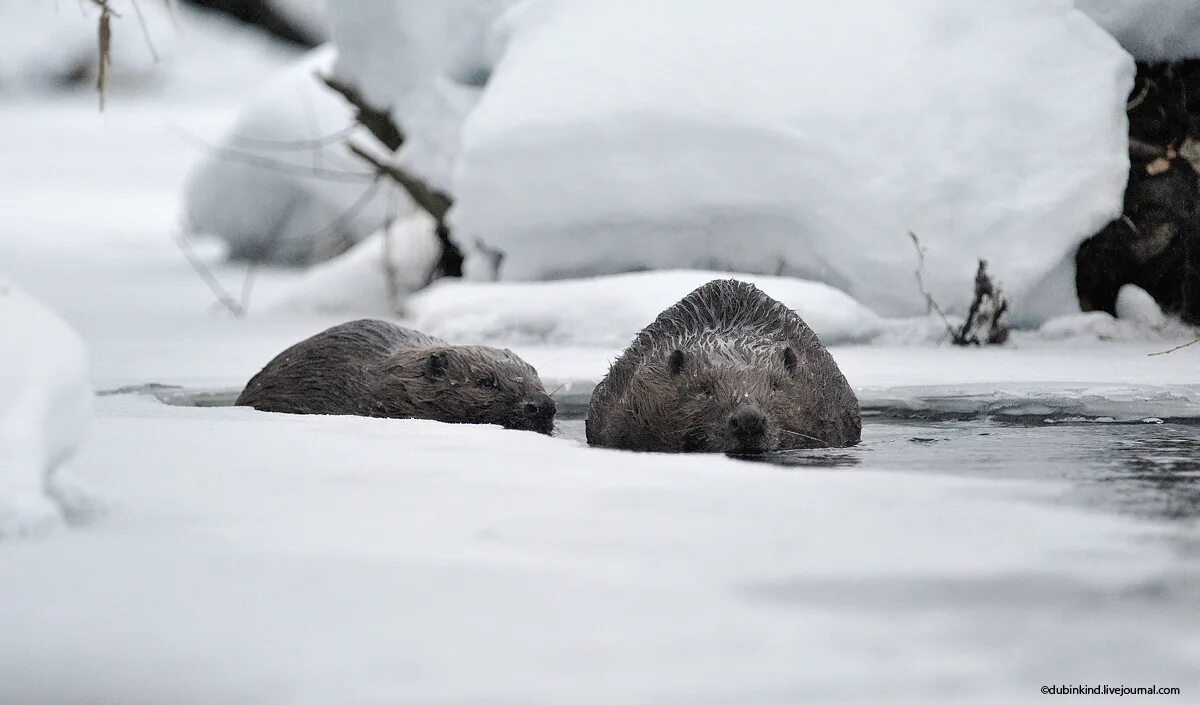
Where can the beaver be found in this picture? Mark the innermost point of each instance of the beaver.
(727, 369)
(376, 368)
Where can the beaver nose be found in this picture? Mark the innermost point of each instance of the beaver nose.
(538, 407)
(747, 424)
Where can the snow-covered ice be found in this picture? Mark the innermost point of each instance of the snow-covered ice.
(45, 405)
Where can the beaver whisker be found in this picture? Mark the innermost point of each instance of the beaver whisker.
(804, 435)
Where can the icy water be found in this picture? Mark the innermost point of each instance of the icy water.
(1146, 469)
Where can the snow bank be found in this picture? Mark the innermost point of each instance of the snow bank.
(45, 403)
(611, 310)
(281, 183)
(800, 137)
(390, 561)
(356, 282)
(1162, 30)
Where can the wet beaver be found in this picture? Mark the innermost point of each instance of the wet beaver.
(727, 369)
(375, 368)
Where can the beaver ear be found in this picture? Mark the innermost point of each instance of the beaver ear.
(676, 361)
(435, 365)
(789, 360)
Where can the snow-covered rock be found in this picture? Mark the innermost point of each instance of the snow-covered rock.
(1135, 304)
(610, 310)
(796, 137)
(1162, 30)
(281, 184)
(45, 404)
(356, 281)
(762, 137)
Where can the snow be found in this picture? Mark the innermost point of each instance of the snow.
(191, 55)
(1163, 30)
(556, 573)
(1135, 304)
(423, 60)
(609, 311)
(259, 558)
(45, 404)
(281, 184)
(355, 283)
(806, 139)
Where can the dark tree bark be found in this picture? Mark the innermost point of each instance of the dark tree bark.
(262, 14)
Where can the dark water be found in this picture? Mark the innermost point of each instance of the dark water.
(1145, 469)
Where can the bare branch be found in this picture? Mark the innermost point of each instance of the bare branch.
(930, 303)
(145, 30)
(378, 122)
(206, 275)
(270, 164)
(103, 47)
(1190, 343)
(432, 201)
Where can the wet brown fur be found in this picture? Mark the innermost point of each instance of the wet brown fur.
(376, 368)
(727, 353)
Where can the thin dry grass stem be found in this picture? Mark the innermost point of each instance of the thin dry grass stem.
(223, 297)
(930, 303)
(258, 160)
(103, 47)
(137, 9)
(390, 276)
(1188, 344)
(335, 137)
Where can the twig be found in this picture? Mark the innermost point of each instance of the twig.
(378, 122)
(434, 202)
(103, 47)
(930, 303)
(390, 276)
(209, 279)
(1177, 347)
(295, 145)
(260, 161)
(145, 30)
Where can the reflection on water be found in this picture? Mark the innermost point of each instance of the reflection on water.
(1147, 469)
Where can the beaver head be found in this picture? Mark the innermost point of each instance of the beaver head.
(463, 384)
(727, 399)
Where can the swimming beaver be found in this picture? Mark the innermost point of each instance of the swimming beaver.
(375, 368)
(727, 369)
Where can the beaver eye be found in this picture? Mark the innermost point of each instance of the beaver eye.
(487, 382)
